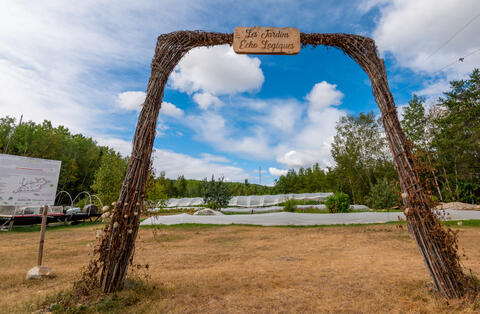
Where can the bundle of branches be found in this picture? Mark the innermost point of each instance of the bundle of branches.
(437, 246)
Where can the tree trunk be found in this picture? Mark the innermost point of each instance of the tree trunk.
(434, 177)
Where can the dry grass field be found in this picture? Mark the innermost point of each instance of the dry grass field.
(243, 269)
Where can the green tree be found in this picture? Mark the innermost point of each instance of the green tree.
(418, 127)
(109, 177)
(181, 186)
(338, 203)
(384, 195)
(457, 139)
(414, 121)
(80, 155)
(361, 154)
(216, 193)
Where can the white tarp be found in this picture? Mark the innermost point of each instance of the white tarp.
(251, 200)
(28, 181)
(285, 219)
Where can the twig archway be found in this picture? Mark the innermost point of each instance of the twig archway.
(437, 246)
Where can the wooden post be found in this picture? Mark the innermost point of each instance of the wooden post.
(42, 235)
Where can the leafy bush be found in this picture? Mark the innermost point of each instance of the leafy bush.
(214, 205)
(216, 193)
(338, 203)
(290, 205)
(383, 195)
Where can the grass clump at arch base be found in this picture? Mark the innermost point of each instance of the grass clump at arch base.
(136, 292)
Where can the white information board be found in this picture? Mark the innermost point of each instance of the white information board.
(28, 181)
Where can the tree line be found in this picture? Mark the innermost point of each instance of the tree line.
(81, 156)
(445, 137)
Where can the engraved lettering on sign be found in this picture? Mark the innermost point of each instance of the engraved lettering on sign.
(266, 40)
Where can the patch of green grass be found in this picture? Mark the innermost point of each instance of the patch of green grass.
(464, 223)
(134, 292)
(55, 227)
(311, 210)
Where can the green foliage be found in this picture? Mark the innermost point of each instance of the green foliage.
(339, 202)
(80, 155)
(289, 205)
(362, 156)
(109, 177)
(163, 187)
(135, 291)
(216, 193)
(456, 139)
(446, 145)
(383, 195)
(306, 180)
(447, 141)
(82, 202)
(214, 205)
(414, 122)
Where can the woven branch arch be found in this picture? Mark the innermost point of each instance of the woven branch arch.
(436, 245)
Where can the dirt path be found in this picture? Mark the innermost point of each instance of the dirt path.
(250, 269)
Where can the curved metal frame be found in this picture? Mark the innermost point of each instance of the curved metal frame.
(70, 196)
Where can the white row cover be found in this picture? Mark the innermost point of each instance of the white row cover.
(286, 219)
(251, 200)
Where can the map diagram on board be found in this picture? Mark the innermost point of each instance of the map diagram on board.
(28, 181)
(35, 185)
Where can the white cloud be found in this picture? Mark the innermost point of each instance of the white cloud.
(324, 95)
(294, 134)
(434, 89)
(217, 70)
(171, 110)
(413, 31)
(175, 164)
(207, 100)
(212, 128)
(131, 100)
(283, 115)
(214, 158)
(161, 128)
(367, 5)
(277, 172)
(122, 146)
(312, 142)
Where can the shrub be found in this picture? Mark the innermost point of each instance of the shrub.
(216, 192)
(383, 195)
(289, 205)
(214, 205)
(338, 203)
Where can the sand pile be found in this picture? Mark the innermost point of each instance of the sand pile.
(458, 206)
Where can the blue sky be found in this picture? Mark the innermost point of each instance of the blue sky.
(86, 65)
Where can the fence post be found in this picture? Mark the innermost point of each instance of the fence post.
(42, 235)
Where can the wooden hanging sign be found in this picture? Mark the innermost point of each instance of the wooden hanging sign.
(266, 40)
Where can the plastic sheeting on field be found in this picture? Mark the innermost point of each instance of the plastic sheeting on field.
(284, 219)
(251, 200)
(272, 209)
